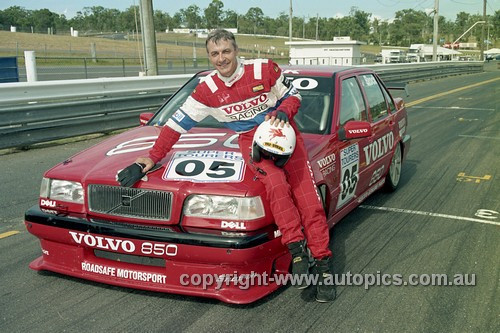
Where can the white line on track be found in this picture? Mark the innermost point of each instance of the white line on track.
(450, 107)
(479, 137)
(417, 212)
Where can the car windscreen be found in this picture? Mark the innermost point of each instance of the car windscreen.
(313, 117)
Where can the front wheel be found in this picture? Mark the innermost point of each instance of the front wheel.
(394, 174)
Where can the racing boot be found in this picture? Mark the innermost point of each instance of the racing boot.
(300, 264)
(325, 287)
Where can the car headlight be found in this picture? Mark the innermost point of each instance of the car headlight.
(63, 190)
(224, 207)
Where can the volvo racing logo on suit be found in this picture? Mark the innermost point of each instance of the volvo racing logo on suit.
(378, 148)
(247, 109)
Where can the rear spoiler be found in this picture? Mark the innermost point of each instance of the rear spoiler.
(398, 86)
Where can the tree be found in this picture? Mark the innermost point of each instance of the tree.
(495, 23)
(43, 19)
(191, 17)
(16, 16)
(462, 23)
(213, 14)
(360, 24)
(407, 27)
(161, 20)
(126, 20)
(230, 19)
(255, 15)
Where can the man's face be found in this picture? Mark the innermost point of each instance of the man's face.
(223, 57)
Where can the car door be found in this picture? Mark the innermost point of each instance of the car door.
(377, 153)
(351, 107)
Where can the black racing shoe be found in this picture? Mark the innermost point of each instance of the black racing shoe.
(300, 264)
(325, 288)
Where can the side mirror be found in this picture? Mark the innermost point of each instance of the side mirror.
(145, 117)
(400, 104)
(355, 130)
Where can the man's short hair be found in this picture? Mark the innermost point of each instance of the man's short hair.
(221, 34)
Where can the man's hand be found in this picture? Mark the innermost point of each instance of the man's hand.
(134, 172)
(148, 163)
(280, 119)
(130, 175)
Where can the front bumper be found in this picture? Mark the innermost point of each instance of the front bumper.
(159, 259)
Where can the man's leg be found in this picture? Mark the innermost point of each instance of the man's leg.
(308, 201)
(283, 208)
(278, 192)
(313, 218)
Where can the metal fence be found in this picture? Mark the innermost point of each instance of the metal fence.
(71, 68)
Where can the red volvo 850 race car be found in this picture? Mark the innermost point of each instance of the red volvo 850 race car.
(203, 214)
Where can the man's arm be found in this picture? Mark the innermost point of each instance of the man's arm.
(285, 92)
(187, 116)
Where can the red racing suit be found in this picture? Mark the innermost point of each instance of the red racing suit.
(241, 102)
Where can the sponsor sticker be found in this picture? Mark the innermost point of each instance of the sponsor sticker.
(327, 164)
(349, 165)
(274, 145)
(258, 88)
(121, 273)
(178, 115)
(378, 148)
(206, 166)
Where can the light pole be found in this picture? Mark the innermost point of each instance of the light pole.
(478, 22)
(435, 34)
(290, 24)
(482, 30)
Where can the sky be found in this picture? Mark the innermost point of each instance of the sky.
(381, 9)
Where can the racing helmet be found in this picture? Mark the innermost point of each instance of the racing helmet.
(273, 142)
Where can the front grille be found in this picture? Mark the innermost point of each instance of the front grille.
(130, 202)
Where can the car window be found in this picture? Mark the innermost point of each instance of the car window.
(174, 103)
(313, 117)
(352, 104)
(316, 107)
(392, 107)
(376, 99)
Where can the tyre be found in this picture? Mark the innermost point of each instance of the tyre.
(394, 174)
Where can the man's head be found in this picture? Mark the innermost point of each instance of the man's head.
(222, 51)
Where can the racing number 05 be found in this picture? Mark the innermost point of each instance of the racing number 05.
(198, 167)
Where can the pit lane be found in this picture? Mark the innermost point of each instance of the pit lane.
(427, 226)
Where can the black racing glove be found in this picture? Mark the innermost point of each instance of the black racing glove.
(282, 116)
(133, 173)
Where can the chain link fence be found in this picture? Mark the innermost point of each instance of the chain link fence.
(71, 68)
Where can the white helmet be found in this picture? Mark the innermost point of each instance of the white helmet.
(273, 142)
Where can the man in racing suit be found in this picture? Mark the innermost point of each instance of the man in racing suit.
(241, 94)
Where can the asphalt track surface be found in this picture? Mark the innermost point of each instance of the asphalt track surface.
(441, 220)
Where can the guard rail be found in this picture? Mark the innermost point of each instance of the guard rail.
(38, 112)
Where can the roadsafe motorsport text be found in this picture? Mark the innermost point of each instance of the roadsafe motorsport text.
(124, 273)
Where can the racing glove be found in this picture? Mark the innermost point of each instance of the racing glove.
(282, 116)
(133, 173)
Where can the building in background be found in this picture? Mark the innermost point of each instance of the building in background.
(423, 52)
(342, 51)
